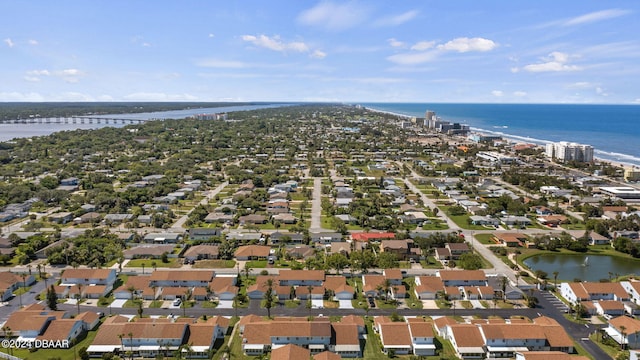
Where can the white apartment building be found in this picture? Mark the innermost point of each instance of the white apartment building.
(566, 151)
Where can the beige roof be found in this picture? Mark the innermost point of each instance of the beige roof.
(550, 355)
(311, 275)
(462, 275)
(182, 275)
(252, 250)
(371, 282)
(211, 250)
(86, 273)
(352, 319)
(429, 284)
(327, 355)
(201, 334)
(611, 305)
(421, 329)
(345, 334)
(59, 329)
(513, 331)
(393, 274)
(444, 321)
(337, 284)
(467, 335)
(290, 352)
(631, 326)
(395, 333)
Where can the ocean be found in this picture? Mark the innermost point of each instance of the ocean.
(613, 130)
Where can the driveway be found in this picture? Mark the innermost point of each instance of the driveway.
(118, 303)
(225, 304)
(345, 304)
(477, 304)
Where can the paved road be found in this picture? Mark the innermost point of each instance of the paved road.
(179, 224)
(27, 298)
(316, 206)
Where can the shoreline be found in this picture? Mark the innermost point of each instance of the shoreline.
(512, 138)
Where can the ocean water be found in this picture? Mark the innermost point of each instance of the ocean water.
(613, 130)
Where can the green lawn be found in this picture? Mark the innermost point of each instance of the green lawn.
(172, 263)
(485, 239)
(256, 264)
(461, 220)
(214, 264)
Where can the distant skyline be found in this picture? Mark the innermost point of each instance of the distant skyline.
(490, 51)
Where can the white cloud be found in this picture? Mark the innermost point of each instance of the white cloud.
(212, 35)
(555, 62)
(519, 93)
(31, 78)
(460, 45)
(33, 42)
(70, 72)
(9, 42)
(395, 43)
(317, 54)
(43, 72)
(275, 44)
(217, 63)
(596, 16)
(465, 44)
(497, 93)
(396, 20)
(17, 96)
(157, 96)
(423, 45)
(581, 85)
(413, 58)
(334, 16)
(600, 91)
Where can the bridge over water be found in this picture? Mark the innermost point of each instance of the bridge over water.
(75, 120)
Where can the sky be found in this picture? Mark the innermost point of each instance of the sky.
(467, 51)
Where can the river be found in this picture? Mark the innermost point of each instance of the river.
(12, 131)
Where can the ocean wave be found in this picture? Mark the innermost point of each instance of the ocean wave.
(514, 137)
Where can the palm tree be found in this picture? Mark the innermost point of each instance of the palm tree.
(247, 270)
(503, 284)
(386, 286)
(555, 279)
(131, 344)
(623, 335)
(268, 297)
(120, 336)
(78, 296)
(309, 301)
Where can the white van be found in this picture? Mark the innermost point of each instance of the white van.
(177, 302)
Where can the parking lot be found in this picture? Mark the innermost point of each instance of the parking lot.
(555, 301)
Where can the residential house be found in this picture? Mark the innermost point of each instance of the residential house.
(422, 337)
(163, 238)
(457, 278)
(589, 291)
(631, 329)
(301, 278)
(402, 249)
(204, 234)
(252, 219)
(181, 278)
(466, 340)
(99, 281)
(141, 338)
(510, 239)
(325, 237)
(484, 220)
(337, 286)
(200, 252)
(252, 252)
(428, 287)
(10, 282)
(457, 249)
(61, 217)
(286, 237)
(152, 251)
(395, 336)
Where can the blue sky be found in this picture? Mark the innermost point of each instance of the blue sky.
(574, 51)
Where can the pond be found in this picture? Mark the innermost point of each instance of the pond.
(583, 267)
